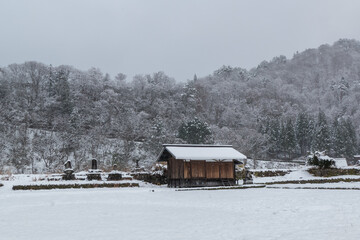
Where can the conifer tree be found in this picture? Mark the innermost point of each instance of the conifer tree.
(273, 131)
(321, 134)
(350, 141)
(289, 138)
(336, 138)
(195, 132)
(303, 129)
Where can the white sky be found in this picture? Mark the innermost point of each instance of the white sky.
(181, 37)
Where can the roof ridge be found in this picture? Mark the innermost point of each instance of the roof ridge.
(195, 145)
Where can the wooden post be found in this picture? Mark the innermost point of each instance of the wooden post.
(205, 166)
(219, 170)
(233, 164)
(190, 170)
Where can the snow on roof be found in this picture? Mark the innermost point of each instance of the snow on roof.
(340, 162)
(320, 155)
(203, 152)
(325, 157)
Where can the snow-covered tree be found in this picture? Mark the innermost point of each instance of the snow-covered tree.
(304, 128)
(195, 132)
(289, 138)
(322, 133)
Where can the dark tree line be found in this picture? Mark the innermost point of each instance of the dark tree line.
(309, 134)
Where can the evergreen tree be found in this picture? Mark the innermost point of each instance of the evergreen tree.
(195, 131)
(303, 129)
(343, 138)
(289, 142)
(51, 82)
(63, 91)
(274, 132)
(337, 138)
(321, 134)
(350, 140)
(282, 139)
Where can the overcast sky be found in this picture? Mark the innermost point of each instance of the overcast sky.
(180, 38)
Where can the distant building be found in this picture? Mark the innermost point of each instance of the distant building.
(357, 159)
(200, 165)
(340, 162)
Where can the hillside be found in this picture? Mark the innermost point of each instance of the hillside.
(280, 109)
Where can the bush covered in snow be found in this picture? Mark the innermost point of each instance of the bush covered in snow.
(331, 172)
(270, 173)
(320, 160)
(65, 186)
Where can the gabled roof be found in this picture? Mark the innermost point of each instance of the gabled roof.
(200, 152)
(340, 162)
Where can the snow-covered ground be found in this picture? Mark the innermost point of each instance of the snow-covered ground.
(140, 213)
(342, 185)
(157, 212)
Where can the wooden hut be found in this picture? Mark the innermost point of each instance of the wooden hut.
(200, 165)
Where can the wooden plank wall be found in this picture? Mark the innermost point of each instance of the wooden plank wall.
(212, 170)
(175, 169)
(187, 170)
(180, 169)
(198, 169)
(227, 170)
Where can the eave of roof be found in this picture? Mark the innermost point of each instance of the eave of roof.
(201, 152)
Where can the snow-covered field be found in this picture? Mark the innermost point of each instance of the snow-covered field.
(151, 212)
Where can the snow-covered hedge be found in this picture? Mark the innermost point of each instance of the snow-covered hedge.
(270, 173)
(329, 180)
(333, 172)
(64, 186)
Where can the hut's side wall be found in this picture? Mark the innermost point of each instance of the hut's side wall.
(198, 169)
(227, 170)
(213, 170)
(175, 169)
(187, 170)
(199, 173)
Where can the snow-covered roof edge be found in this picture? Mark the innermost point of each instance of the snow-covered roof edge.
(195, 145)
(228, 153)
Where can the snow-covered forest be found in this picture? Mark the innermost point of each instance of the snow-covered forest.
(279, 109)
